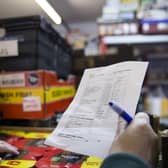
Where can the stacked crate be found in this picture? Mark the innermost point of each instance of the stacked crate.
(33, 57)
(38, 46)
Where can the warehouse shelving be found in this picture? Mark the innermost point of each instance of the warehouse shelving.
(135, 39)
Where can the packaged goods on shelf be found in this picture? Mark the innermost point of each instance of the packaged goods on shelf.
(154, 26)
(34, 153)
(38, 46)
(118, 28)
(157, 106)
(156, 102)
(129, 5)
(34, 94)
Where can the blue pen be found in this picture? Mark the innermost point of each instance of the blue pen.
(121, 112)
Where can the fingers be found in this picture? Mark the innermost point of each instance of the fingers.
(141, 124)
(121, 126)
(138, 138)
(6, 147)
(142, 117)
(12, 149)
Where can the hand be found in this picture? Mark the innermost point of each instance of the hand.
(138, 139)
(7, 148)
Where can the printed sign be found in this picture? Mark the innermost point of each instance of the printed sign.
(9, 48)
(18, 163)
(60, 93)
(31, 103)
(12, 80)
(92, 162)
(15, 95)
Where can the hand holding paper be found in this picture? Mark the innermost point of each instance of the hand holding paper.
(89, 125)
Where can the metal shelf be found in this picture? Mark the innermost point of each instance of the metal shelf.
(135, 39)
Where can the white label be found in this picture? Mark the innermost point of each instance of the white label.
(2, 32)
(155, 105)
(133, 28)
(12, 80)
(8, 48)
(146, 27)
(162, 26)
(31, 103)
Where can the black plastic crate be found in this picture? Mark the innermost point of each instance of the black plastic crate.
(39, 46)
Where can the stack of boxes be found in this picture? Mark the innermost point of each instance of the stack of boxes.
(33, 58)
(33, 94)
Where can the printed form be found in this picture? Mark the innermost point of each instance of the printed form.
(89, 125)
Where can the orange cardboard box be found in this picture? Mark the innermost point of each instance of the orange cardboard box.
(33, 94)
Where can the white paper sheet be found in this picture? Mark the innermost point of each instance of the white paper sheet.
(89, 125)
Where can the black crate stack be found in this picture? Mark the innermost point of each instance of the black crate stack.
(40, 46)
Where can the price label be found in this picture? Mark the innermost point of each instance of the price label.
(12, 80)
(31, 103)
(9, 48)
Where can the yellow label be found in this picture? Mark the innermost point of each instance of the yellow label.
(16, 95)
(92, 162)
(13, 132)
(59, 93)
(129, 1)
(18, 163)
(34, 135)
(164, 110)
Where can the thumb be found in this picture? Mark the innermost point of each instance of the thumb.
(140, 124)
(142, 117)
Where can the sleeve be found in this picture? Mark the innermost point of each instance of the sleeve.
(124, 160)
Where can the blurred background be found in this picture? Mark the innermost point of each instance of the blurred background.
(68, 36)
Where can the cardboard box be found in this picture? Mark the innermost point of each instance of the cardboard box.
(33, 94)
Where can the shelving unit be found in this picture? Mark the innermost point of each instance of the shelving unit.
(152, 48)
(135, 39)
(125, 45)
